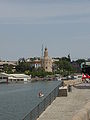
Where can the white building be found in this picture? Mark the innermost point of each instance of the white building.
(14, 77)
(19, 77)
(36, 63)
(3, 78)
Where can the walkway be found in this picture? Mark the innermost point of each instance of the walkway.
(63, 108)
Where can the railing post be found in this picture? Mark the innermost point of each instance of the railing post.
(38, 110)
(31, 115)
(54, 94)
(44, 104)
(50, 98)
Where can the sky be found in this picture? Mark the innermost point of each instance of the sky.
(63, 26)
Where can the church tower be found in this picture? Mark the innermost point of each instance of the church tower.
(47, 61)
(46, 53)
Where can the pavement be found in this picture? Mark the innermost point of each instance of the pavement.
(64, 108)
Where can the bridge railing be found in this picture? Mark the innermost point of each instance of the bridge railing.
(36, 112)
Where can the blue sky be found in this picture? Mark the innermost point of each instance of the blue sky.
(61, 25)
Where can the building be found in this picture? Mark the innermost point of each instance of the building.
(18, 78)
(85, 67)
(47, 61)
(36, 64)
(76, 66)
(5, 78)
(7, 63)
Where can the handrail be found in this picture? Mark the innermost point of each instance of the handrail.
(37, 110)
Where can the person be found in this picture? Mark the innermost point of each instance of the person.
(41, 94)
(69, 88)
(63, 83)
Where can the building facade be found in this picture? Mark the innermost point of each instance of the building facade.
(6, 78)
(7, 63)
(36, 64)
(47, 62)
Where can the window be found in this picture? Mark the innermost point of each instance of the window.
(4, 77)
(46, 67)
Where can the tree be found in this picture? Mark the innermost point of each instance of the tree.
(21, 60)
(64, 67)
(22, 67)
(8, 68)
(69, 59)
(79, 61)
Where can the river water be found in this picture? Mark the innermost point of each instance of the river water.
(16, 100)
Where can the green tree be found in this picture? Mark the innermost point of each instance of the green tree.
(8, 68)
(22, 67)
(79, 61)
(64, 67)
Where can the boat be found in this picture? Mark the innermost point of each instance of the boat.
(41, 94)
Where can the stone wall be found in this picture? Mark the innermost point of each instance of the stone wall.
(62, 92)
(72, 82)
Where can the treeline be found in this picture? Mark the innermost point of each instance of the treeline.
(63, 66)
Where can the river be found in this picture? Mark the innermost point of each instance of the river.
(16, 100)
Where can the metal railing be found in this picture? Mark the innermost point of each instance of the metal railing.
(36, 112)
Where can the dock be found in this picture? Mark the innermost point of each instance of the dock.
(64, 108)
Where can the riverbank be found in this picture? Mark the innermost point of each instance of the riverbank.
(65, 108)
(66, 82)
(43, 79)
(72, 82)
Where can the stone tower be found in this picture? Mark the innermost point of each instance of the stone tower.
(47, 61)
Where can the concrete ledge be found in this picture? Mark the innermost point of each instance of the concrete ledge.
(62, 92)
(83, 114)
